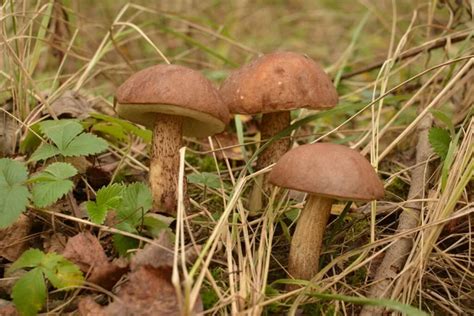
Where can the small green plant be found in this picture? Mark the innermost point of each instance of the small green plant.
(14, 193)
(47, 187)
(67, 138)
(131, 204)
(30, 291)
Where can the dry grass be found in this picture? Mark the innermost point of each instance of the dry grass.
(241, 266)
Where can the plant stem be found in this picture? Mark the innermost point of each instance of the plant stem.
(164, 164)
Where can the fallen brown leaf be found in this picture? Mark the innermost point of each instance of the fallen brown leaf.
(149, 290)
(13, 240)
(85, 250)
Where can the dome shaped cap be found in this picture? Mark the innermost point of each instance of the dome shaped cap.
(173, 90)
(276, 82)
(329, 170)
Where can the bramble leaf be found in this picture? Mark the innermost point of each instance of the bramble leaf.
(52, 183)
(137, 201)
(61, 132)
(84, 145)
(68, 140)
(44, 152)
(29, 292)
(61, 272)
(440, 139)
(29, 259)
(107, 198)
(13, 191)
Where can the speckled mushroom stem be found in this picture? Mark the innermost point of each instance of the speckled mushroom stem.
(164, 164)
(271, 124)
(307, 240)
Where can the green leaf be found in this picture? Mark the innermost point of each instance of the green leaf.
(61, 272)
(29, 259)
(208, 179)
(156, 223)
(44, 152)
(137, 201)
(29, 292)
(439, 139)
(61, 132)
(52, 183)
(68, 139)
(107, 198)
(31, 141)
(112, 129)
(394, 305)
(127, 126)
(13, 191)
(123, 243)
(84, 145)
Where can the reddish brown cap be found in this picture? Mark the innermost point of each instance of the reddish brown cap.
(280, 81)
(329, 170)
(174, 90)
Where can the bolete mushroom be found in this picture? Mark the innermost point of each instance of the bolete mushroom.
(327, 172)
(274, 84)
(173, 101)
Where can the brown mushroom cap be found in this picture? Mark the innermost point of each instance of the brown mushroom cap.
(173, 90)
(329, 170)
(279, 81)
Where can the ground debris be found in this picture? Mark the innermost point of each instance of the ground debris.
(85, 250)
(148, 290)
(13, 239)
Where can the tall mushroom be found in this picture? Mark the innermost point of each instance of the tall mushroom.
(173, 101)
(327, 172)
(274, 84)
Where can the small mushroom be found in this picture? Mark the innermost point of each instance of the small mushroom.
(274, 84)
(173, 101)
(327, 172)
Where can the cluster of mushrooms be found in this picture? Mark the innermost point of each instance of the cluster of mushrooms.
(175, 101)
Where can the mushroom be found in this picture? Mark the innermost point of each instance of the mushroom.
(274, 84)
(173, 101)
(327, 172)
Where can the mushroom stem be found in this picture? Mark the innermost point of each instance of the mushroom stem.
(164, 164)
(308, 238)
(271, 124)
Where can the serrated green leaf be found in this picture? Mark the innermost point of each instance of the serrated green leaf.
(208, 179)
(29, 259)
(52, 184)
(44, 152)
(439, 139)
(84, 145)
(62, 273)
(68, 139)
(61, 132)
(29, 292)
(107, 198)
(136, 202)
(13, 191)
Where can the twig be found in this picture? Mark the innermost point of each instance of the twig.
(396, 255)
